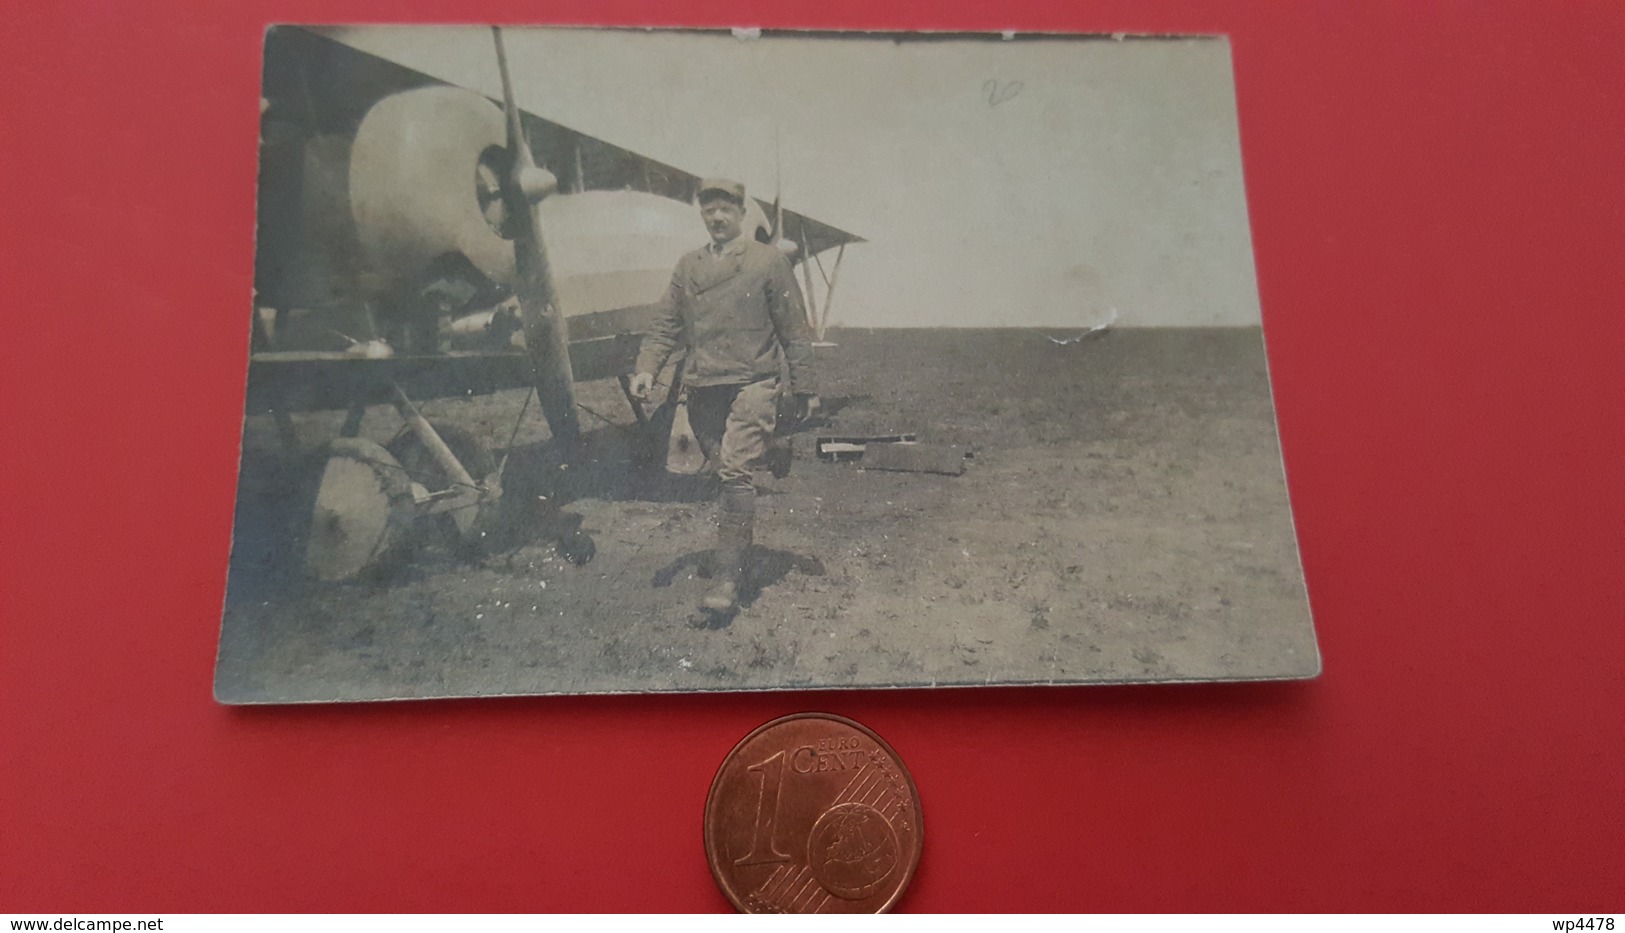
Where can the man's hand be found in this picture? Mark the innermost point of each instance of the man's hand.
(642, 385)
(809, 405)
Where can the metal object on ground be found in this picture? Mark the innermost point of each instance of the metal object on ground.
(363, 507)
(813, 813)
(900, 452)
(852, 448)
(914, 458)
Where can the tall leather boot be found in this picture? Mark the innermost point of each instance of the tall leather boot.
(736, 520)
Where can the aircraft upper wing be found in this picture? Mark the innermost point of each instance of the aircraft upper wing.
(351, 81)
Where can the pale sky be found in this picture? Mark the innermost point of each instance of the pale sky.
(1107, 175)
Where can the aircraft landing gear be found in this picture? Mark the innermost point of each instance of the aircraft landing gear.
(467, 515)
(371, 500)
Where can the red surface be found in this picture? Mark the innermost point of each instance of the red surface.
(1439, 216)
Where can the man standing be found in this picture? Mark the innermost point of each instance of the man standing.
(736, 307)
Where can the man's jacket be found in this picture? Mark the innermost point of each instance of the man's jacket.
(737, 311)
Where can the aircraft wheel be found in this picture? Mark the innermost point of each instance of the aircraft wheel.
(362, 509)
(464, 530)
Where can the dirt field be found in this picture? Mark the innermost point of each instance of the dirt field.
(1124, 519)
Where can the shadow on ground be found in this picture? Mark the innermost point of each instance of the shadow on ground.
(766, 567)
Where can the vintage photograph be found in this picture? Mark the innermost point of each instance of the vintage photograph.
(598, 361)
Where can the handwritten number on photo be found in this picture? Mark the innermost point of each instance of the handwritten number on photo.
(997, 92)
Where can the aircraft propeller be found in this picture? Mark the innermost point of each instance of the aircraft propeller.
(547, 334)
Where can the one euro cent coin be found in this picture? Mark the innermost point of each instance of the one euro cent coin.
(813, 813)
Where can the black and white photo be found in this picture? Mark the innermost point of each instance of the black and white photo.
(591, 361)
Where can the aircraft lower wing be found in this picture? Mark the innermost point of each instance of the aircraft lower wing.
(298, 381)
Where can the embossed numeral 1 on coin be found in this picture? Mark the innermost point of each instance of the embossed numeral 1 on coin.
(767, 813)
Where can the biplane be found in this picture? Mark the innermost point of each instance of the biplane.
(418, 240)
